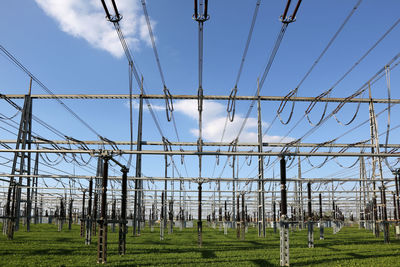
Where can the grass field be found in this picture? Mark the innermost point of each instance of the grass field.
(45, 246)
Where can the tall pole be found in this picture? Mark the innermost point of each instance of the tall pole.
(301, 206)
(397, 202)
(199, 222)
(122, 223)
(138, 183)
(374, 139)
(102, 242)
(261, 196)
(310, 218)
(284, 229)
(83, 213)
(321, 219)
(71, 205)
(89, 219)
(200, 15)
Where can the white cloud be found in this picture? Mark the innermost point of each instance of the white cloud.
(154, 107)
(214, 117)
(86, 20)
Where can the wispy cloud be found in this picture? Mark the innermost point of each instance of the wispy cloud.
(214, 118)
(86, 20)
(155, 107)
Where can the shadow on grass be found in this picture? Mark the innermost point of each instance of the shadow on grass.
(354, 256)
(262, 262)
(208, 254)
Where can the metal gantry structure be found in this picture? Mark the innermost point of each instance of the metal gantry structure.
(238, 204)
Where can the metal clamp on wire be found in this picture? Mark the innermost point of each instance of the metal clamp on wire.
(115, 18)
(167, 144)
(200, 17)
(232, 148)
(231, 107)
(182, 157)
(200, 145)
(169, 105)
(286, 20)
(167, 147)
(217, 156)
(200, 97)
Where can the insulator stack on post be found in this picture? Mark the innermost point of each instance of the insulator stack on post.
(284, 226)
(102, 241)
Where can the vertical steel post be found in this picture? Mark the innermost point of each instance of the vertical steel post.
(233, 194)
(385, 222)
(238, 216)
(301, 206)
(102, 241)
(83, 213)
(243, 219)
(138, 183)
(225, 218)
(165, 196)
(321, 219)
(113, 214)
(122, 223)
(88, 239)
(70, 213)
(199, 222)
(35, 185)
(261, 196)
(21, 165)
(397, 202)
(274, 215)
(162, 215)
(310, 218)
(284, 227)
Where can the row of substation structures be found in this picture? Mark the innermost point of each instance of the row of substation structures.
(95, 218)
(89, 217)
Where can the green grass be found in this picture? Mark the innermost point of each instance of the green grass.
(45, 246)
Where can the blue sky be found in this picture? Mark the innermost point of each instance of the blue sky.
(72, 49)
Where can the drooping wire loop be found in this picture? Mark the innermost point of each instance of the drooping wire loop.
(231, 107)
(169, 105)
